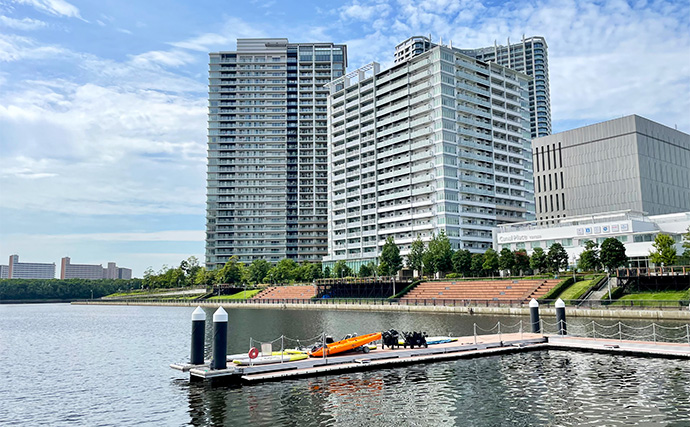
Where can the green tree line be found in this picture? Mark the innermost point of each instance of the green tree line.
(41, 289)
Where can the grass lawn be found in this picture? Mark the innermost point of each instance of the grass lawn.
(575, 291)
(239, 295)
(129, 294)
(648, 298)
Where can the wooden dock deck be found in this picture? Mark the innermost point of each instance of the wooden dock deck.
(465, 347)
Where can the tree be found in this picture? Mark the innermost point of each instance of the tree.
(462, 262)
(589, 258)
(665, 252)
(284, 271)
(612, 254)
(440, 254)
(506, 260)
(327, 272)
(365, 270)
(521, 261)
(415, 259)
(538, 260)
(477, 264)
(557, 258)
(390, 255)
(231, 272)
(258, 270)
(490, 264)
(340, 269)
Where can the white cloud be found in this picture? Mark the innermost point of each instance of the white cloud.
(54, 7)
(156, 236)
(361, 12)
(24, 24)
(15, 48)
(170, 58)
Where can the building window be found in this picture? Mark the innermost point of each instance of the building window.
(560, 156)
(550, 183)
(551, 207)
(563, 200)
(562, 185)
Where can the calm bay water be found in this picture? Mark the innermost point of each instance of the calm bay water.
(108, 365)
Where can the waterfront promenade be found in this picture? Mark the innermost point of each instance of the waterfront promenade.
(430, 306)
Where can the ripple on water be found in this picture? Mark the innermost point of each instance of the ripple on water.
(109, 366)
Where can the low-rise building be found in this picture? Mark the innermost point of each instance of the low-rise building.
(635, 230)
(93, 271)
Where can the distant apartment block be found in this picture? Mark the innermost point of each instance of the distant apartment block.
(267, 185)
(439, 142)
(4, 271)
(530, 57)
(92, 271)
(629, 163)
(29, 270)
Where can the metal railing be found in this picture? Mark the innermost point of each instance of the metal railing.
(516, 303)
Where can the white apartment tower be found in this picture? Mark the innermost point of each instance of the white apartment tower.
(267, 185)
(530, 56)
(438, 142)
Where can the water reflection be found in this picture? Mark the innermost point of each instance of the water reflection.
(536, 388)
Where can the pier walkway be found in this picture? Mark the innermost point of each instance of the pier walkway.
(465, 347)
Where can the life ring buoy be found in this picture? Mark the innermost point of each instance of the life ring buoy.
(253, 353)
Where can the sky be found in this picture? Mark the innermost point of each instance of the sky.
(103, 103)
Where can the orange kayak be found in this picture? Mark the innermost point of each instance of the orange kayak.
(345, 345)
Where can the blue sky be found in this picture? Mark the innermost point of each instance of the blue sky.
(103, 103)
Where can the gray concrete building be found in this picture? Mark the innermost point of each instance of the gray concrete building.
(629, 163)
(530, 56)
(4, 271)
(29, 270)
(439, 142)
(267, 185)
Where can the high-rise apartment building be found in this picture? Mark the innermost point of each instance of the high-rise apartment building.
(529, 57)
(267, 187)
(629, 163)
(439, 142)
(29, 270)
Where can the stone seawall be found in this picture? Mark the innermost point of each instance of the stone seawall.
(608, 313)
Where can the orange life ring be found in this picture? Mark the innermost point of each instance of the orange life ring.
(253, 353)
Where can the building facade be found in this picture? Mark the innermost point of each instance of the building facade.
(530, 57)
(439, 142)
(267, 185)
(634, 229)
(629, 163)
(4, 271)
(92, 271)
(29, 270)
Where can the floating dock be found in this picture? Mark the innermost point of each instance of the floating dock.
(465, 347)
